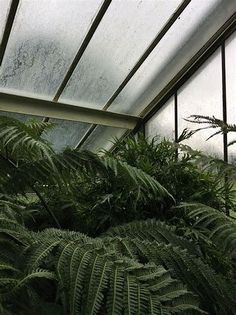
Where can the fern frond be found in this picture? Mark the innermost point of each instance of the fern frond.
(220, 228)
(151, 230)
(138, 177)
(22, 141)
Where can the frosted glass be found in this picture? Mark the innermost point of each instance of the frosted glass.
(4, 7)
(230, 62)
(20, 117)
(199, 21)
(202, 95)
(163, 122)
(102, 138)
(124, 33)
(45, 38)
(66, 133)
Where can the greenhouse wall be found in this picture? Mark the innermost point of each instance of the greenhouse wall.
(210, 91)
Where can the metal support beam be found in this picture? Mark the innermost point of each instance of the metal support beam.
(187, 71)
(148, 51)
(224, 100)
(82, 48)
(8, 27)
(32, 106)
(140, 61)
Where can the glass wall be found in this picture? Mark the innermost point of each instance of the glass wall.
(202, 94)
(230, 60)
(162, 123)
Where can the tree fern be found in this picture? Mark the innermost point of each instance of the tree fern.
(176, 255)
(23, 141)
(137, 176)
(218, 227)
(92, 275)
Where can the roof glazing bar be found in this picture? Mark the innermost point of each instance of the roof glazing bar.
(83, 47)
(148, 51)
(38, 107)
(141, 60)
(8, 27)
(195, 62)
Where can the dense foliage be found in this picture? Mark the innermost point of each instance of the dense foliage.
(139, 231)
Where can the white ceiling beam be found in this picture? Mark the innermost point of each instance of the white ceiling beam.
(44, 108)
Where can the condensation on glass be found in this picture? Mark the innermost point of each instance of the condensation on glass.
(4, 9)
(102, 138)
(46, 36)
(198, 22)
(230, 63)
(163, 122)
(66, 133)
(202, 95)
(124, 33)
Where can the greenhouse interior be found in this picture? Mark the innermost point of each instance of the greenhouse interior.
(117, 157)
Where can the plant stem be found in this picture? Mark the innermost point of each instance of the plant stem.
(45, 205)
(12, 164)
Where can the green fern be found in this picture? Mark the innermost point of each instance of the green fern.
(152, 241)
(92, 276)
(218, 227)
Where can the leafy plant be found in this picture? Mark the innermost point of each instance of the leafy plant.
(88, 276)
(178, 173)
(82, 233)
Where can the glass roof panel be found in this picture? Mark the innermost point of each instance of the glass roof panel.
(102, 138)
(198, 22)
(66, 133)
(4, 7)
(126, 30)
(46, 36)
(202, 95)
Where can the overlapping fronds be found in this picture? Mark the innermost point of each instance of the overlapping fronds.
(19, 140)
(154, 242)
(218, 227)
(137, 176)
(93, 277)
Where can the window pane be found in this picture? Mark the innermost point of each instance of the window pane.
(4, 7)
(124, 33)
(202, 95)
(102, 138)
(163, 122)
(66, 133)
(199, 21)
(230, 54)
(44, 40)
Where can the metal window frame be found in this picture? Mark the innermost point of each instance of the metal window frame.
(224, 101)
(216, 41)
(83, 47)
(39, 107)
(190, 68)
(140, 61)
(8, 28)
